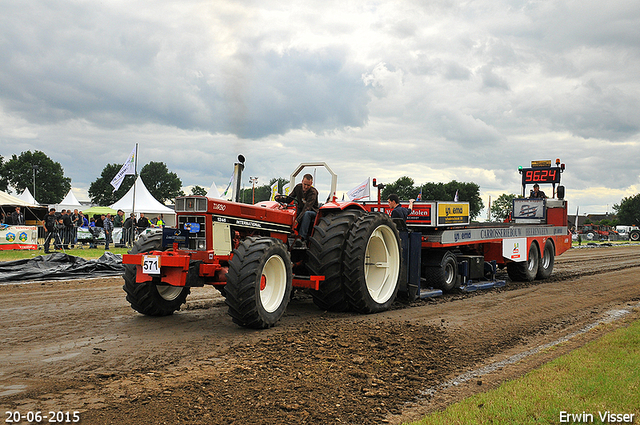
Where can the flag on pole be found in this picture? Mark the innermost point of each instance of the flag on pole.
(286, 189)
(274, 190)
(455, 198)
(226, 193)
(359, 192)
(127, 169)
(419, 198)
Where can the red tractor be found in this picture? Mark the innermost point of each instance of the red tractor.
(249, 252)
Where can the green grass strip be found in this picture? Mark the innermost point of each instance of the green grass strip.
(603, 376)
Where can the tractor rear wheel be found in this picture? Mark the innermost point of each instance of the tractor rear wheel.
(545, 268)
(326, 256)
(634, 235)
(151, 298)
(372, 263)
(525, 271)
(259, 282)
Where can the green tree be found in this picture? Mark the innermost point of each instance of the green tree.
(467, 192)
(163, 184)
(628, 210)
(403, 187)
(100, 190)
(4, 178)
(502, 206)
(51, 184)
(198, 190)
(262, 193)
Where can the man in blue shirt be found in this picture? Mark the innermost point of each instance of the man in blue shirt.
(397, 210)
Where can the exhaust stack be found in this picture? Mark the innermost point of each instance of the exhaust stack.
(237, 177)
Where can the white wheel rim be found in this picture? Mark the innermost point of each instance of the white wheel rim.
(168, 292)
(449, 273)
(273, 283)
(382, 264)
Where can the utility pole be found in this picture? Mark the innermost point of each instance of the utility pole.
(253, 181)
(34, 167)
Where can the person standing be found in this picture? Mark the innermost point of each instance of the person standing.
(107, 225)
(76, 219)
(397, 210)
(129, 227)
(17, 217)
(143, 223)
(51, 231)
(68, 229)
(118, 220)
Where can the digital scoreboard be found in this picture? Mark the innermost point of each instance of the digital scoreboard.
(541, 175)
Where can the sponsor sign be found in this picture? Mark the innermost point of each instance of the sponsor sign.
(515, 249)
(491, 233)
(179, 236)
(18, 237)
(453, 213)
(528, 208)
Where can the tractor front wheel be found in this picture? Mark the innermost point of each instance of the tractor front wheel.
(259, 282)
(151, 298)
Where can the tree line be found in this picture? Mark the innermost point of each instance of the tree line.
(52, 186)
(165, 185)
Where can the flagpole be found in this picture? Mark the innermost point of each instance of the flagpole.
(135, 174)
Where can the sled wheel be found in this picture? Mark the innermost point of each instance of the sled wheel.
(546, 261)
(444, 273)
(372, 263)
(326, 256)
(525, 271)
(151, 298)
(259, 282)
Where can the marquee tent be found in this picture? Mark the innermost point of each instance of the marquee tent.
(145, 203)
(27, 197)
(68, 203)
(10, 200)
(31, 211)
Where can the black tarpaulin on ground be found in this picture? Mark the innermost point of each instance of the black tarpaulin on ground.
(60, 266)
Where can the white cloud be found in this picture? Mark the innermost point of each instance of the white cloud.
(438, 91)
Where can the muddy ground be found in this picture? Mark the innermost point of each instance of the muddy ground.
(76, 345)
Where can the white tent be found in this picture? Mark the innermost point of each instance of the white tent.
(27, 197)
(145, 203)
(68, 203)
(213, 191)
(6, 199)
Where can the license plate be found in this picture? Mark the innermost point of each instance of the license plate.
(151, 264)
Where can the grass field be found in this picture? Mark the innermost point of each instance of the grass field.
(592, 383)
(86, 253)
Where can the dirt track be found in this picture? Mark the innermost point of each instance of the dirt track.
(78, 346)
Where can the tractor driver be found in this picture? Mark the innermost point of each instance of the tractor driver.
(536, 192)
(306, 199)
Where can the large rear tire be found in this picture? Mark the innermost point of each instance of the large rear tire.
(151, 298)
(525, 271)
(372, 263)
(326, 258)
(442, 271)
(634, 235)
(259, 282)
(545, 268)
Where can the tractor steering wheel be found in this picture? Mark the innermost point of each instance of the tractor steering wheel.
(284, 199)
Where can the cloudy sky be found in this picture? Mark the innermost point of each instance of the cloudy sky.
(436, 90)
